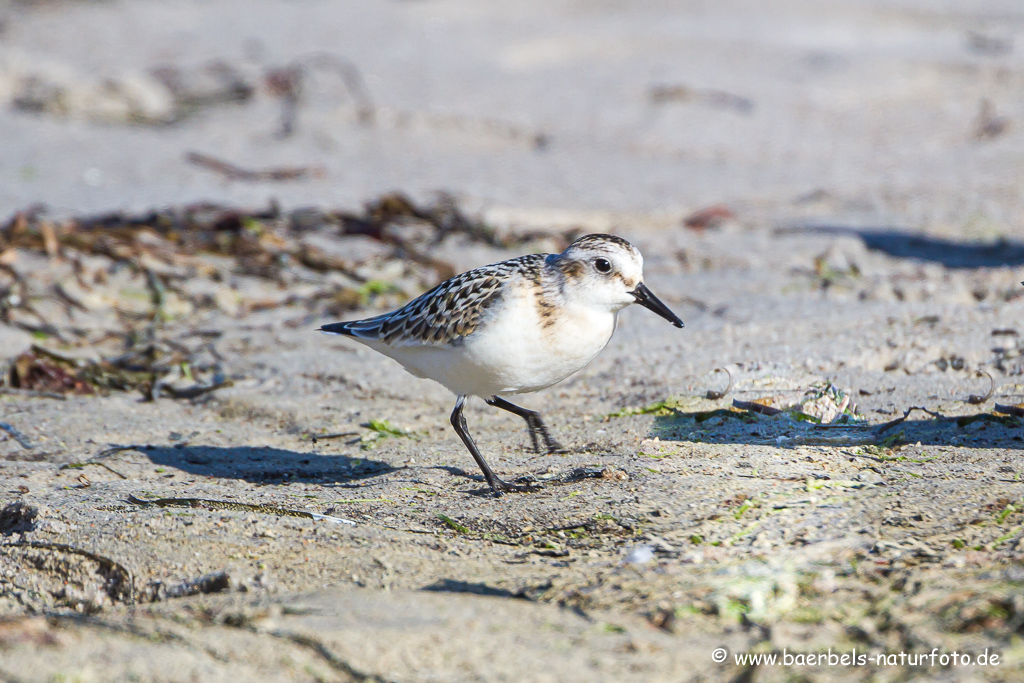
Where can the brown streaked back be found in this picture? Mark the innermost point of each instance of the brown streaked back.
(448, 312)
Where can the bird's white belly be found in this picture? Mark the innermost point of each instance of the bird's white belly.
(516, 353)
(513, 352)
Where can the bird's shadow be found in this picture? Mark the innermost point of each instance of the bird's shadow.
(474, 588)
(985, 430)
(470, 477)
(903, 244)
(265, 465)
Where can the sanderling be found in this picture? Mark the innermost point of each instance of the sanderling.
(513, 327)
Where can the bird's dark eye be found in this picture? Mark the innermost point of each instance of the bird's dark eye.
(603, 265)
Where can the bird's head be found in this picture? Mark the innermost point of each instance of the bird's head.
(608, 272)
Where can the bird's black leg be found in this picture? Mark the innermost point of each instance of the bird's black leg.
(459, 422)
(533, 423)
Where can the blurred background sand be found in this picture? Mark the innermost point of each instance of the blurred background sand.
(873, 111)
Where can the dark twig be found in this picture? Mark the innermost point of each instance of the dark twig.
(900, 420)
(216, 582)
(314, 438)
(80, 465)
(756, 407)
(286, 83)
(366, 112)
(975, 399)
(329, 657)
(662, 94)
(696, 303)
(987, 124)
(190, 392)
(107, 452)
(1016, 411)
(17, 436)
(715, 395)
(233, 172)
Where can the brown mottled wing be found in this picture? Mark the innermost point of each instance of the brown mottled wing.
(448, 312)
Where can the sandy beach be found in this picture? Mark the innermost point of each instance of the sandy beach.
(195, 485)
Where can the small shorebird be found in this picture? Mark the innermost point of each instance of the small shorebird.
(513, 327)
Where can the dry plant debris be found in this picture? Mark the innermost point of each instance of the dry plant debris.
(86, 282)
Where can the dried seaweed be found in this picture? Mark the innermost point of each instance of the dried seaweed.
(130, 276)
(151, 369)
(35, 371)
(263, 242)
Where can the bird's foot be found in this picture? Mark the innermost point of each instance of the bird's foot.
(550, 444)
(500, 486)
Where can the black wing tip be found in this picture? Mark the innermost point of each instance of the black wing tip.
(337, 328)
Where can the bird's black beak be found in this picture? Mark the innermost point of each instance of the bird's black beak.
(646, 298)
